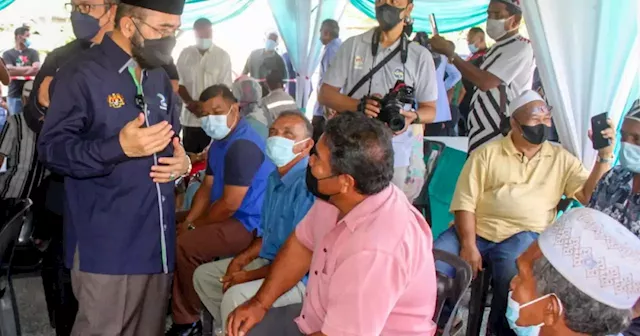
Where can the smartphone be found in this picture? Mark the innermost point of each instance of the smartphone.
(434, 24)
(599, 124)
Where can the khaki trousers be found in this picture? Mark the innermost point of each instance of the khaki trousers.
(206, 281)
(120, 305)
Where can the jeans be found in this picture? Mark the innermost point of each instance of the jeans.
(14, 104)
(502, 258)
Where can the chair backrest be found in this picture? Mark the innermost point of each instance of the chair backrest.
(450, 290)
(11, 220)
(432, 150)
(442, 186)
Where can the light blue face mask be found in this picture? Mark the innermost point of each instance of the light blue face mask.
(216, 125)
(280, 150)
(473, 49)
(513, 314)
(630, 157)
(270, 45)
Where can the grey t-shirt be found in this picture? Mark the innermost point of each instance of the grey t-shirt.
(26, 57)
(354, 60)
(260, 64)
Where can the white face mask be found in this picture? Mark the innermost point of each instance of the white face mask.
(495, 28)
(216, 126)
(203, 44)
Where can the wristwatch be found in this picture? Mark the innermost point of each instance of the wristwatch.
(189, 168)
(608, 160)
(190, 226)
(417, 120)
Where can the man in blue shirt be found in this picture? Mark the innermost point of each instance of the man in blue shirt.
(225, 213)
(330, 37)
(287, 201)
(109, 131)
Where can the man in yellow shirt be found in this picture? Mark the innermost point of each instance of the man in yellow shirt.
(507, 194)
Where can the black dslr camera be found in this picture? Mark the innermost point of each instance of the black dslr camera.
(391, 105)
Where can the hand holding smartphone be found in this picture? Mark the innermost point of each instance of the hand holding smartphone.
(598, 124)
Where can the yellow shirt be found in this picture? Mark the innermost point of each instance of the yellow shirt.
(509, 193)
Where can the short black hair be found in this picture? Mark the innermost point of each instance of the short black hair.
(125, 10)
(216, 91)
(275, 80)
(202, 23)
(361, 147)
(476, 30)
(21, 31)
(333, 27)
(274, 35)
(308, 127)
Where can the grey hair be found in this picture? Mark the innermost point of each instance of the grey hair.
(308, 127)
(332, 26)
(582, 313)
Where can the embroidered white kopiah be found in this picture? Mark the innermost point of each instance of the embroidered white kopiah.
(596, 254)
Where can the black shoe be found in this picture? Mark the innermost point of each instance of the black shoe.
(194, 329)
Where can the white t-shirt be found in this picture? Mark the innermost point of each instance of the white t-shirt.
(198, 72)
(513, 62)
(355, 59)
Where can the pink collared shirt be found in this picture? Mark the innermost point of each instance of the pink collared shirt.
(372, 272)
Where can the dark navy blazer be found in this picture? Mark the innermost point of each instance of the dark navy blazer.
(116, 218)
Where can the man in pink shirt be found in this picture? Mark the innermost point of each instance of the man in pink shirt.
(367, 251)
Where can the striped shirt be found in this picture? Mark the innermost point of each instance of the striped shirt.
(276, 102)
(513, 62)
(18, 146)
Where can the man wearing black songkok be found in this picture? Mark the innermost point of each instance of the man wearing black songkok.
(109, 131)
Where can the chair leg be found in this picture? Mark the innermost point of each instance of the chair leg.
(479, 288)
(14, 304)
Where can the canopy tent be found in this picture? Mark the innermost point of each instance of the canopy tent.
(588, 63)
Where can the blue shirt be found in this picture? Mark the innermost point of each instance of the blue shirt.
(239, 160)
(119, 221)
(330, 51)
(453, 76)
(286, 202)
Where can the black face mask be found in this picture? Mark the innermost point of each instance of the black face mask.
(388, 16)
(312, 185)
(535, 134)
(152, 54)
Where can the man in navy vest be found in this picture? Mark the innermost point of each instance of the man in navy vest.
(110, 132)
(225, 213)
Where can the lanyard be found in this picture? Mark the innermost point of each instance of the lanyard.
(141, 104)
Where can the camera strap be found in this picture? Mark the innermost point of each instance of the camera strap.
(374, 70)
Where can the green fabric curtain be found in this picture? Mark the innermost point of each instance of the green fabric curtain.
(214, 10)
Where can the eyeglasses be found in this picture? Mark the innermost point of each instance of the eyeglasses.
(162, 32)
(85, 8)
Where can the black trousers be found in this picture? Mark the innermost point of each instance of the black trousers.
(56, 280)
(318, 123)
(195, 139)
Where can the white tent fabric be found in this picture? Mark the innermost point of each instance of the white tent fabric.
(299, 23)
(587, 53)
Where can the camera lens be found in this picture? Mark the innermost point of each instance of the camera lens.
(397, 123)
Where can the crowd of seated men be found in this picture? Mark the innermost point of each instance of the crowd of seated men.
(309, 246)
(280, 241)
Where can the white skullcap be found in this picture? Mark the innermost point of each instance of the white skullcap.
(525, 98)
(596, 254)
(26, 89)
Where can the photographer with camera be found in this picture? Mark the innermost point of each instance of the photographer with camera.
(388, 78)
